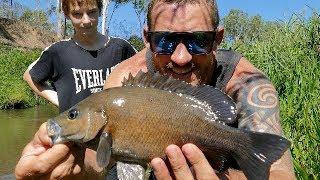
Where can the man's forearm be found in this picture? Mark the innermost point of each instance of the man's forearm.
(258, 105)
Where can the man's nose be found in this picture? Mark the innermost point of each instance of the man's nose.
(181, 55)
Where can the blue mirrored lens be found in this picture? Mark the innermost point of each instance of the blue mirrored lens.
(195, 48)
(197, 43)
(164, 44)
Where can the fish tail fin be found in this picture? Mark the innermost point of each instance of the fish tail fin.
(256, 154)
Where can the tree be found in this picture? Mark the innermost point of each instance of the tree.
(235, 24)
(140, 7)
(104, 16)
(136, 42)
(68, 29)
(7, 9)
(241, 27)
(254, 28)
(59, 19)
(36, 18)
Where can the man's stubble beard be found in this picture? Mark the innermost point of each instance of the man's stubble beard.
(195, 79)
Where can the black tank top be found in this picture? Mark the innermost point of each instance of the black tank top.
(227, 61)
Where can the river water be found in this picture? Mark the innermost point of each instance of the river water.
(17, 127)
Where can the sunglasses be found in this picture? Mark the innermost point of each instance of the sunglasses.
(197, 42)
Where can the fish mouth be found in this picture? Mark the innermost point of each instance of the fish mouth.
(54, 130)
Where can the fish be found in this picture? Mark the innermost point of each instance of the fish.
(136, 122)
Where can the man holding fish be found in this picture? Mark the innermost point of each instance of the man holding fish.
(181, 40)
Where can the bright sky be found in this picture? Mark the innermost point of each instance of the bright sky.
(124, 21)
(270, 9)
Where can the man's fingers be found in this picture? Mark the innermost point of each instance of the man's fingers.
(201, 166)
(48, 160)
(30, 150)
(31, 164)
(178, 163)
(65, 168)
(41, 137)
(160, 169)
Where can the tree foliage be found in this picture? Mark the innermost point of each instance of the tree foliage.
(36, 18)
(10, 9)
(239, 26)
(136, 42)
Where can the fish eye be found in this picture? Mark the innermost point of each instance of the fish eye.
(73, 113)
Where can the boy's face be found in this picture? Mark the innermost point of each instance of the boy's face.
(84, 16)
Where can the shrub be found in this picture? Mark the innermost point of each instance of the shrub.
(14, 92)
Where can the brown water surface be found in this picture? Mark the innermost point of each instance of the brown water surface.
(17, 127)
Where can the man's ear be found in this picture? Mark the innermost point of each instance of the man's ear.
(219, 35)
(145, 36)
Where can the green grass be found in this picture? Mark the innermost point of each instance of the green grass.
(14, 92)
(289, 54)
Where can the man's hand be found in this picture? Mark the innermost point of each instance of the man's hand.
(41, 159)
(200, 167)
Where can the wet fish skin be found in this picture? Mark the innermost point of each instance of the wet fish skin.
(140, 122)
(130, 120)
(152, 123)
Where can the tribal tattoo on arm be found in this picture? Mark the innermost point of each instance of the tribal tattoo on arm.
(258, 109)
(257, 103)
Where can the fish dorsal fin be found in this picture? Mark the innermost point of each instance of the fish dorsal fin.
(218, 105)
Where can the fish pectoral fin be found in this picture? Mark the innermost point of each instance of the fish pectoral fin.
(104, 149)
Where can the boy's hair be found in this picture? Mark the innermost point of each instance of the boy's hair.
(211, 3)
(66, 4)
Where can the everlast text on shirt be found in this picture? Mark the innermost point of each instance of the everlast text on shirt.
(89, 79)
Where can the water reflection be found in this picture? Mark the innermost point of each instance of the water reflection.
(16, 129)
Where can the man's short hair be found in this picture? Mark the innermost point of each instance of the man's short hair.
(211, 3)
(66, 4)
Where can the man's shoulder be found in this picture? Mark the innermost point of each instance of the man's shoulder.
(244, 66)
(244, 71)
(241, 64)
(132, 65)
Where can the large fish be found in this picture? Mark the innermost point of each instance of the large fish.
(136, 122)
